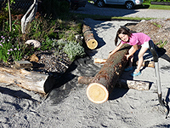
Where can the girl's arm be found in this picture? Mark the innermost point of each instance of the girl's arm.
(135, 48)
(116, 49)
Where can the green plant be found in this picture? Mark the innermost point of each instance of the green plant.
(73, 50)
(47, 44)
(7, 50)
(59, 44)
(17, 52)
(157, 25)
(161, 44)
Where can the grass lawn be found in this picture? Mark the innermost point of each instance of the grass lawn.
(151, 6)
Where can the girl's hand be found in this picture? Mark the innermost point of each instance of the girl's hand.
(127, 56)
(110, 53)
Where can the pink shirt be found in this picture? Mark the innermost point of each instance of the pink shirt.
(137, 38)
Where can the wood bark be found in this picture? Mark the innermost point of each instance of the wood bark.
(105, 80)
(33, 81)
(121, 83)
(89, 37)
(29, 16)
(147, 64)
(100, 61)
(144, 64)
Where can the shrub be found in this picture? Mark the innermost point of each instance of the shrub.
(73, 50)
(8, 49)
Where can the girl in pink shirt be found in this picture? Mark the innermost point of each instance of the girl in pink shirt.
(137, 40)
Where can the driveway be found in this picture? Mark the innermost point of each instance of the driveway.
(118, 12)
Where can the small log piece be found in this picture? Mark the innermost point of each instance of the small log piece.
(23, 64)
(33, 81)
(34, 58)
(89, 37)
(100, 61)
(147, 64)
(133, 84)
(121, 83)
(105, 80)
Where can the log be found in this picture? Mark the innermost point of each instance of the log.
(121, 83)
(89, 37)
(33, 81)
(100, 61)
(133, 84)
(147, 64)
(144, 64)
(29, 16)
(105, 80)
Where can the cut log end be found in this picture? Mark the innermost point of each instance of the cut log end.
(97, 93)
(92, 44)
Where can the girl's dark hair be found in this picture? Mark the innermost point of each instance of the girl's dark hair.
(122, 30)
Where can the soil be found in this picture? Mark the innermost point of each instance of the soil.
(51, 62)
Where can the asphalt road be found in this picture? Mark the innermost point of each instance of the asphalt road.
(122, 12)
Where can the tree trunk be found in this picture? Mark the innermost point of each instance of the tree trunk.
(121, 83)
(144, 64)
(28, 80)
(105, 80)
(89, 38)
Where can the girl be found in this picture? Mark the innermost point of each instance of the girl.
(137, 40)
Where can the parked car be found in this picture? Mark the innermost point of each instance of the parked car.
(129, 4)
(75, 4)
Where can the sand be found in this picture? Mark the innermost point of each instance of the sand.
(67, 105)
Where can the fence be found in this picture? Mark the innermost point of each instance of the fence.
(19, 6)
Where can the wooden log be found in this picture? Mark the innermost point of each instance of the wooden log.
(105, 80)
(100, 61)
(121, 83)
(89, 37)
(33, 81)
(133, 84)
(144, 64)
(147, 64)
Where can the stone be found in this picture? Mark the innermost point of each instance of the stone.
(35, 43)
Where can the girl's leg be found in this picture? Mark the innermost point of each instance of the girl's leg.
(131, 58)
(140, 58)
